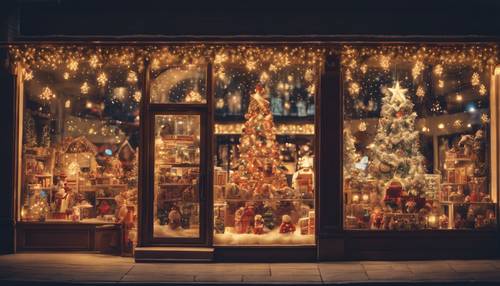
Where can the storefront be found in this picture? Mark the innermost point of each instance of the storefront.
(248, 151)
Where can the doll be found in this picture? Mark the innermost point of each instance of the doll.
(238, 215)
(246, 219)
(376, 219)
(258, 224)
(121, 211)
(286, 225)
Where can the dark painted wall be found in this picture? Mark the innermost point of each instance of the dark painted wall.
(7, 30)
(184, 17)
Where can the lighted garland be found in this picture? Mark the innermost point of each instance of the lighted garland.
(366, 69)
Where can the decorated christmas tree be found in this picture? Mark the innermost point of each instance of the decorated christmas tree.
(395, 150)
(258, 170)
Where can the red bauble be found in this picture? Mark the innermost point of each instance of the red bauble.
(399, 114)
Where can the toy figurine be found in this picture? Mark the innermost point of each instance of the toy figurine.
(286, 225)
(238, 215)
(258, 224)
(479, 221)
(376, 219)
(393, 195)
(75, 215)
(121, 211)
(174, 219)
(246, 219)
(443, 221)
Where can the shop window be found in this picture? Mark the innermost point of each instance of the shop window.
(264, 188)
(419, 138)
(80, 135)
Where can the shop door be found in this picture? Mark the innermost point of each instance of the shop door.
(178, 184)
(176, 160)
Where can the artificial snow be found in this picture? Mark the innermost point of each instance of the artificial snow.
(166, 231)
(272, 237)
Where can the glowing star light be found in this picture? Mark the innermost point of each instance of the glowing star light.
(94, 61)
(47, 94)
(385, 62)
(438, 70)
(102, 79)
(475, 80)
(28, 75)
(132, 77)
(362, 126)
(398, 93)
(482, 90)
(84, 89)
(417, 69)
(73, 65)
(440, 83)
(137, 96)
(354, 89)
(420, 92)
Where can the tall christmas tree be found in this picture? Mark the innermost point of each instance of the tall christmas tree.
(259, 161)
(396, 154)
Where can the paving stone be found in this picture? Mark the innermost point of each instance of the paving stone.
(384, 265)
(157, 278)
(473, 266)
(295, 278)
(429, 267)
(218, 278)
(344, 276)
(390, 275)
(341, 267)
(294, 272)
(440, 276)
(257, 278)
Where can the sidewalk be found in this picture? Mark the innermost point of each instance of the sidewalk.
(78, 268)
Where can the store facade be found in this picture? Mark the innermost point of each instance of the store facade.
(204, 131)
(257, 151)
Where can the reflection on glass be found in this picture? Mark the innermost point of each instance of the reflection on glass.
(176, 176)
(264, 189)
(417, 140)
(186, 84)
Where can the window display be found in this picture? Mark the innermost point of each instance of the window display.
(80, 136)
(264, 191)
(417, 138)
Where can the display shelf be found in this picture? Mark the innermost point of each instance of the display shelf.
(263, 200)
(172, 184)
(453, 184)
(465, 203)
(180, 165)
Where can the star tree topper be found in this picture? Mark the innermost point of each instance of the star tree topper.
(398, 93)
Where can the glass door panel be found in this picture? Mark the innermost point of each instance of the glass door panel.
(176, 176)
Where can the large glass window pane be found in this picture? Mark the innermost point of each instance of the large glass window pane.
(179, 84)
(264, 189)
(417, 138)
(176, 176)
(80, 136)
